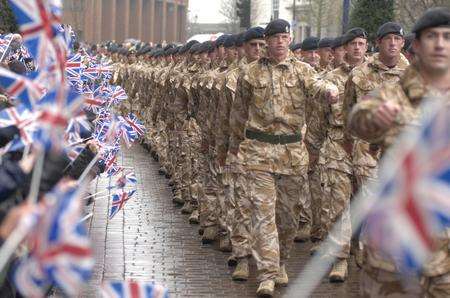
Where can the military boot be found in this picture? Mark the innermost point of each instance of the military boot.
(266, 288)
(303, 234)
(209, 234)
(241, 272)
(339, 271)
(225, 243)
(232, 261)
(315, 248)
(187, 208)
(194, 218)
(177, 199)
(282, 278)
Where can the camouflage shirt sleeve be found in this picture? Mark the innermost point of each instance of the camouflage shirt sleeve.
(239, 114)
(316, 126)
(360, 119)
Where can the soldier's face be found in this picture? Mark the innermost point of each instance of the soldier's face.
(278, 44)
(231, 53)
(339, 54)
(221, 53)
(433, 49)
(357, 48)
(326, 55)
(391, 45)
(241, 52)
(254, 49)
(212, 55)
(204, 58)
(311, 57)
(298, 53)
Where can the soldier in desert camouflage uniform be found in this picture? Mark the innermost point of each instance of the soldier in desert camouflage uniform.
(266, 118)
(334, 161)
(237, 215)
(326, 54)
(378, 119)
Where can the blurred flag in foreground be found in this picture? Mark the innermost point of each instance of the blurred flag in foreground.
(413, 206)
(133, 289)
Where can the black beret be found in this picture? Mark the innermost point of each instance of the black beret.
(254, 33)
(168, 47)
(209, 46)
(230, 41)
(240, 39)
(433, 17)
(177, 50)
(296, 46)
(408, 42)
(277, 26)
(326, 42)
(337, 42)
(220, 40)
(390, 28)
(354, 33)
(204, 47)
(190, 44)
(310, 43)
(195, 48)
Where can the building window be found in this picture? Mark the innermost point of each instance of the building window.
(307, 31)
(276, 9)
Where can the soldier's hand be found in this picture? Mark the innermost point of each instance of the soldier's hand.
(332, 95)
(385, 115)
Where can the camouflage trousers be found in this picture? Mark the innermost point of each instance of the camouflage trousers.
(379, 283)
(222, 212)
(364, 177)
(162, 145)
(312, 216)
(209, 205)
(335, 212)
(239, 216)
(192, 166)
(275, 203)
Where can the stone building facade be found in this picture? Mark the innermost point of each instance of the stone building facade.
(322, 18)
(148, 20)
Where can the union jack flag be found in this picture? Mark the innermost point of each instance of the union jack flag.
(129, 178)
(133, 289)
(56, 110)
(413, 206)
(24, 120)
(74, 67)
(20, 88)
(89, 74)
(5, 41)
(39, 22)
(117, 95)
(61, 252)
(118, 201)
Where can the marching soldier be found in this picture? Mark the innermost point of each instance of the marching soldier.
(378, 119)
(266, 120)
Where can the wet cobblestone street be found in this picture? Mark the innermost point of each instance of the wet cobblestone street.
(150, 240)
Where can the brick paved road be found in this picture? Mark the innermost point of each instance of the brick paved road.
(151, 241)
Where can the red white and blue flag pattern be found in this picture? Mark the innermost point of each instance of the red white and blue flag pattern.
(133, 289)
(413, 206)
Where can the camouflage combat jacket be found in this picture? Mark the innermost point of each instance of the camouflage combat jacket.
(271, 98)
(409, 93)
(363, 79)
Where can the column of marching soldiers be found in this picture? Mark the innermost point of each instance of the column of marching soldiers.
(258, 148)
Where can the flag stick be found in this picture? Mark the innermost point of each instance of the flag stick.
(6, 50)
(15, 238)
(36, 177)
(88, 168)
